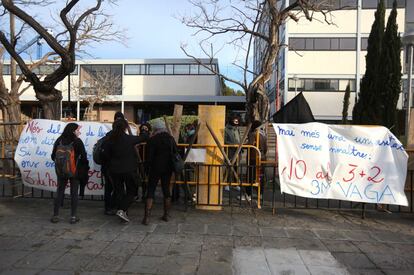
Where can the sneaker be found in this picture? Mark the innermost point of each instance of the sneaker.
(122, 215)
(54, 219)
(74, 220)
(244, 198)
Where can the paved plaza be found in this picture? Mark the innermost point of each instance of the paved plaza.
(233, 241)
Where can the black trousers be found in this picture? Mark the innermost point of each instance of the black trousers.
(125, 189)
(109, 193)
(165, 184)
(60, 195)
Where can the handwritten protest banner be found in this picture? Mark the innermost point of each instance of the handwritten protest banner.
(354, 163)
(35, 148)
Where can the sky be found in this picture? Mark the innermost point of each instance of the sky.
(155, 31)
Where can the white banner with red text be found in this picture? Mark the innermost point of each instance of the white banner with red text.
(33, 153)
(353, 163)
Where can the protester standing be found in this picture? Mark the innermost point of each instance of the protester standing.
(70, 157)
(119, 151)
(160, 148)
(232, 136)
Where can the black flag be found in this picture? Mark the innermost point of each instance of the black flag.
(295, 111)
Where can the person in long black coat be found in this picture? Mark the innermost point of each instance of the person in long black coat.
(122, 163)
(160, 148)
(70, 135)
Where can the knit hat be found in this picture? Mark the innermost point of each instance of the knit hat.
(158, 125)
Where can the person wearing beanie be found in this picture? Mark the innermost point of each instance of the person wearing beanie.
(160, 167)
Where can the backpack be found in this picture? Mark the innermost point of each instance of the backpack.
(65, 162)
(97, 151)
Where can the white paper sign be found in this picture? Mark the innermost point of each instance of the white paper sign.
(196, 155)
(353, 163)
(33, 153)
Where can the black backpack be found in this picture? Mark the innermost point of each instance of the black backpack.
(97, 152)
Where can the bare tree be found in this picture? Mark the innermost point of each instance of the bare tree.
(78, 26)
(246, 23)
(96, 87)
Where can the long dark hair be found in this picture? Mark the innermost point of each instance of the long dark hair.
(118, 128)
(68, 134)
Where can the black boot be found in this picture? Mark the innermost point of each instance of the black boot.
(147, 213)
(167, 206)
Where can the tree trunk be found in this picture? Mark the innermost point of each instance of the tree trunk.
(12, 114)
(257, 105)
(51, 102)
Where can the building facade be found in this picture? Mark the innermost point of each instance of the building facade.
(141, 88)
(321, 60)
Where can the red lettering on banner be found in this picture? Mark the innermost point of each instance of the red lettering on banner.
(376, 175)
(94, 186)
(33, 127)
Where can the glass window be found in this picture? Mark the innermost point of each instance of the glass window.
(181, 69)
(369, 4)
(204, 70)
(297, 44)
(364, 43)
(132, 69)
(94, 77)
(334, 43)
(169, 69)
(193, 69)
(6, 69)
(347, 43)
(322, 84)
(309, 85)
(309, 43)
(322, 44)
(156, 69)
(348, 3)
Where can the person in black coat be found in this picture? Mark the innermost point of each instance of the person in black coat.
(160, 148)
(69, 136)
(122, 163)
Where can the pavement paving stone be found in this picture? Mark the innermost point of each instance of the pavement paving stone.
(359, 235)
(330, 234)
(199, 228)
(214, 240)
(303, 244)
(247, 241)
(57, 272)
(318, 258)
(167, 228)
(326, 270)
(58, 245)
(104, 235)
(120, 248)
(88, 247)
(8, 258)
(397, 272)
(389, 261)
(283, 256)
(20, 271)
(219, 229)
(132, 237)
(389, 236)
(188, 238)
(159, 238)
(250, 261)
(210, 267)
(96, 273)
(77, 233)
(365, 271)
(354, 260)
(6, 242)
(184, 249)
(222, 254)
(340, 246)
(300, 233)
(106, 263)
(38, 259)
(372, 247)
(138, 227)
(289, 269)
(152, 249)
(177, 264)
(142, 264)
(401, 249)
(74, 262)
(246, 230)
(274, 232)
(29, 243)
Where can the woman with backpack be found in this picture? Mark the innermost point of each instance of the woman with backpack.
(122, 163)
(70, 158)
(160, 148)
